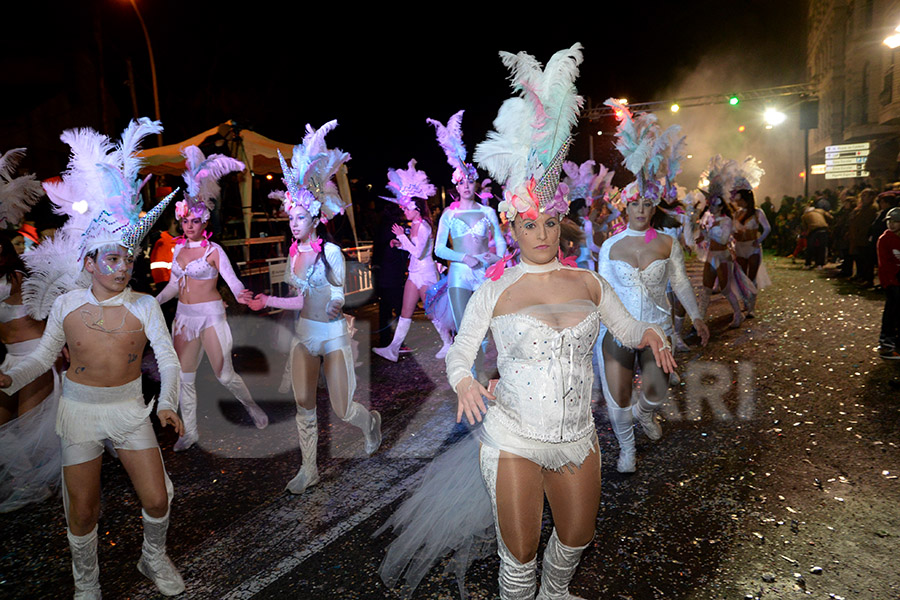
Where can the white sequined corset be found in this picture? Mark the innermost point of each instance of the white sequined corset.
(545, 374)
(543, 354)
(316, 287)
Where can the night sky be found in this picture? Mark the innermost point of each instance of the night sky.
(380, 73)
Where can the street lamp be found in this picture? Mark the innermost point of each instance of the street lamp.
(893, 41)
(773, 117)
(159, 140)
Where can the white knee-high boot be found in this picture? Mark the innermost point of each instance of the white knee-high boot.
(368, 421)
(187, 400)
(308, 430)
(560, 562)
(85, 567)
(234, 384)
(392, 352)
(446, 339)
(154, 563)
(518, 581)
(645, 414)
(622, 423)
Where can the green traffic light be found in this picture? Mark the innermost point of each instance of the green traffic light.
(733, 101)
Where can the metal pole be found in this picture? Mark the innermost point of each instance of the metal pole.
(806, 158)
(159, 139)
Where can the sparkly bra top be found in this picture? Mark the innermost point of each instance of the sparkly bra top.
(199, 268)
(459, 227)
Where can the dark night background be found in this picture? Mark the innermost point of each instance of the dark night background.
(273, 68)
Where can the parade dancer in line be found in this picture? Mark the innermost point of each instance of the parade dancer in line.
(746, 223)
(538, 437)
(411, 192)
(316, 270)
(716, 226)
(639, 263)
(588, 186)
(29, 446)
(468, 225)
(106, 327)
(200, 325)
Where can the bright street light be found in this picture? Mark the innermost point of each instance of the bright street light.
(774, 117)
(893, 41)
(674, 108)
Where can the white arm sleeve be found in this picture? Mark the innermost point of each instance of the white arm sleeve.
(171, 290)
(335, 259)
(166, 360)
(681, 284)
(289, 303)
(474, 326)
(168, 292)
(41, 358)
(417, 247)
(227, 273)
(619, 321)
(440, 243)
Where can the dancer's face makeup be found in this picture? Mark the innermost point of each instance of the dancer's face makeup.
(302, 224)
(193, 227)
(466, 189)
(411, 214)
(111, 270)
(538, 239)
(639, 213)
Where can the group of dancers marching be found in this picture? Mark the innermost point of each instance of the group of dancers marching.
(561, 286)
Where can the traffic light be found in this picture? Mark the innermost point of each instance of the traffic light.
(734, 100)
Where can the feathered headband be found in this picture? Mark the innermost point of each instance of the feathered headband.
(201, 175)
(407, 185)
(17, 194)
(749, 175)
(584, 183)
(653, 155)
(449, 137)
(309, 178)
(718, 178)
(100, 195)
(532, 133)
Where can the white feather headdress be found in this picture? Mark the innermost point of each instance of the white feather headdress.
(749, 175)
(651, 153)
(100, 195)
(17, 194)
(201, 177)
(309, 178)
(719, 177)
(532, 132)
(449, 138)
(583, 182)
(408, 184)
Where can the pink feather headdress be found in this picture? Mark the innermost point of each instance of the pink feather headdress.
(531, 136)
(408, 184)
(449, 138)
(201, 176)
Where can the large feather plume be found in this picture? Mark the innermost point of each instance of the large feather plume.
(449, 138)
(52, 271)
(17, 194)
(202, 173)
(750, 174)
(719, 177)
(531, 128)
(313, 167)
(637, 140)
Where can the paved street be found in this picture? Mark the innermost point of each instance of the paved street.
(779, 457)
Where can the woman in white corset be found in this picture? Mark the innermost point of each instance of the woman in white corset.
(197, 263)
(316, 271)
(538, 436)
